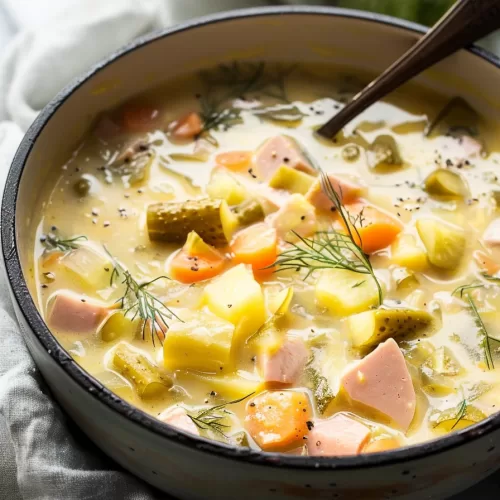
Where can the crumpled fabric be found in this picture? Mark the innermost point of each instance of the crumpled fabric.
(42, 454)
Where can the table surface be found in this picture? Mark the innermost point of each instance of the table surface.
(489, 488)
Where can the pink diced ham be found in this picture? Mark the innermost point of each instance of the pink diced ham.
(381, 381)
(277, 151)
(178, 417)
(470, 147)
(338, 436)
(71, 313)
(492, 234)
(286, 364)
(346, 191)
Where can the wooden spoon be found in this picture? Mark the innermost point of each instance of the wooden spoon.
(462, 24)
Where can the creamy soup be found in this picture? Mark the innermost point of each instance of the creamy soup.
(216, 264)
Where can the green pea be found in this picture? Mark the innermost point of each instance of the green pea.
(82, 187)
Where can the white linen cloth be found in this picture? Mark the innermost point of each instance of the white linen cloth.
(43, 455)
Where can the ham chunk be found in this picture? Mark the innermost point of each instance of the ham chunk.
(296, 215)
(381, 381)
(346, 191)
(280, 150)
(71, 313)
(286, 364)
(337, 436)
(178, 417)
(470, 147)
(492, 234)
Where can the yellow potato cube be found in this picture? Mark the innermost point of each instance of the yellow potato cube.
(201, 341)
(237, 297)
(406, 253)
(88, 266)
(345, 292)
(228, 387)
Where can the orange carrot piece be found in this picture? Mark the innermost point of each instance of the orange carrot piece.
(140, 118)
(189, 267)
(188, 126)
(51, 258)
(277, 420)
(485, 262)
(256, 245)
(376, 229)
(234, 160)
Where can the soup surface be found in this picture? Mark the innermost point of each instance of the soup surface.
(212, 261)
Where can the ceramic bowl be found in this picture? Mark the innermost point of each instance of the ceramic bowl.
(175, 462)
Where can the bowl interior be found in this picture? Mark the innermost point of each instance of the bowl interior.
(368, 43)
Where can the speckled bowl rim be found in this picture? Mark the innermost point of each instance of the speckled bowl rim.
(40, 330)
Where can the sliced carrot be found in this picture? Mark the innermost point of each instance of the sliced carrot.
(375, 229)
(485, 262)
(196, 261)
(256, 245)
(140, 117)
(277, 420)
(187, 127)
(234, 160)
(51, 258)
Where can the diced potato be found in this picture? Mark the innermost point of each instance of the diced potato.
(201, 341)
(406, 253)
(149, 380)
(228, 387)
(119, 326)
(88, 266)
(444, 242)
(224, 186)
(236, 297)
(291, 180)
(296, 215)
(345, 292)
(372, 327)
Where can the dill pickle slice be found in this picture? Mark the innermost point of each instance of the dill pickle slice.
(248, 212)
(445, 243)
(149, 381)
(173, 221)
(291, 180)
(369, 328)
(446, 184)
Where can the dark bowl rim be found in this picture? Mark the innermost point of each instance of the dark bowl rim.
(26, 305)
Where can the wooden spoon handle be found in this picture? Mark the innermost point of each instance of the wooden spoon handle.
(464, 23)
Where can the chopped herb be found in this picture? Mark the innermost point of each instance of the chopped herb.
(210, 418)
(359, 283)
(330, 249)
(462, 409)
(52, 242)
(482, 329)
(137, 301)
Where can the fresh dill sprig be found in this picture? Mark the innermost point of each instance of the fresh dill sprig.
(210, 418)
(330, 249)
(138, 301)
(462, 410)
(460, 290)
(231, 81)
(52, 242)
(482, 329)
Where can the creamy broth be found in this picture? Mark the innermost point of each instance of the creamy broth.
(434, 225)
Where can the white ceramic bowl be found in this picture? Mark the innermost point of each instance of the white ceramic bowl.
(178, 463)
